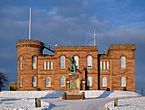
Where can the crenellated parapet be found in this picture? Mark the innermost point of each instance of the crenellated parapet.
(122, 47)
(30, 43)
(76, 48)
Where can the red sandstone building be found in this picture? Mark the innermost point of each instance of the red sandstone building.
(112, 70)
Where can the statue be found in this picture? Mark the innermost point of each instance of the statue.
(73, 67)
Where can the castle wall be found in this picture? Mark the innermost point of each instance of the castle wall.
(110, 59)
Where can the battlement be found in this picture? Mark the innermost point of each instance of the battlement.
(122, 47)
(29, 43)
(71, 48)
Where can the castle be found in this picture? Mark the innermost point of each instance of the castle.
(112, 70)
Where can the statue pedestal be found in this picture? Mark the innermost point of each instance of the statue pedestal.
(73, 89)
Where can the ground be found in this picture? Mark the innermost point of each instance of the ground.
(51, 100)
(87, 104)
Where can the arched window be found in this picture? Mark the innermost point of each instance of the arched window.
(104, 82)
(89, 81)
(89, 61)
(21, 63)
(62, 62)
(21, 81)
(62, 81)
(123, 81)
(34, 81)
(101, 65)
(48, 82)
(77, 61)
(123, 62)
(34, 62)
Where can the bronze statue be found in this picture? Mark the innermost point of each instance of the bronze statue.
(73, 67)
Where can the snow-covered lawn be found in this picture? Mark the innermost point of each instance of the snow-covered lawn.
(25, 100)
(109, 94)
(137, 103)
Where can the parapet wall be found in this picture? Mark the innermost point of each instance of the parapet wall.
(29, 43)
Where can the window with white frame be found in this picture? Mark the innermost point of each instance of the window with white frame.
(107, 65)
(101, 65)
(45, 65)
(62, 81)
(48, 82)
(62, 62)
(89, 61)
(123, 62)
(123, 81)
(104, 65)
(21, 63)
(104, 81)
(21, 81)
(34, 62)
(48, 65)
(76, 58)
(89, 81)
(34, 81)
(51, 65)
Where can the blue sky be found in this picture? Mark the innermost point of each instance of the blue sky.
(71, 22)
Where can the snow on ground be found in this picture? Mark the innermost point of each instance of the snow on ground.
(20, 104)
(25, 100)
(109, 94)
(128, 104)
(30, 94)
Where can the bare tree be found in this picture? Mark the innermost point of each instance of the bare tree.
(3, 80)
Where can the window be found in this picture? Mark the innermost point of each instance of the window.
(21, 81)
(89, 81)
(77, 61)
(48, 65)
(45, 65)
(104, 82)
(104, 65)
(123, 62)
(123, 81)
(48, 82)
(62, 62)
(62, 81)
(107, 65)
(51, 65)
(101, 65)
(89, 61)
(21, 63)
(34, 81)
(34, 62)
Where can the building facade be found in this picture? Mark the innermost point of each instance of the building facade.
(112, 70)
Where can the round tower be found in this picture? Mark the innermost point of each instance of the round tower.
(28, 52)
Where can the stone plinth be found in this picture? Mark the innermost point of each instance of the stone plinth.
(73, 95)
(73, 90)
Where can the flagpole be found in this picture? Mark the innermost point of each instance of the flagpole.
(94, 38)
(30, 24)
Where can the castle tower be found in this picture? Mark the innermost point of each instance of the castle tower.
(27, 63)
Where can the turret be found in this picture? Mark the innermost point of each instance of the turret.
(27, 63)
